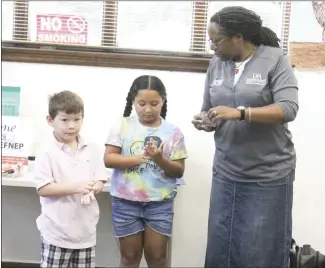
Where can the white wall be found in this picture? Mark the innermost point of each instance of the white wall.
(104, 91)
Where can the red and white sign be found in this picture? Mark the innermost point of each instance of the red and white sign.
(63, 29)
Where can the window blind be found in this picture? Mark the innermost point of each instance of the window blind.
(176, 26)
(285, 26)
(131, 25)
(157, 25)
(7, 19)
(275, 15)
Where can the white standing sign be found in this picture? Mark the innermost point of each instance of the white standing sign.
(16, 139)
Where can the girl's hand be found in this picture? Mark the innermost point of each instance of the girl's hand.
(144, 156)
(152, 152)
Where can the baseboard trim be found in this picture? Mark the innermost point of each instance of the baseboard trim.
(5, 264)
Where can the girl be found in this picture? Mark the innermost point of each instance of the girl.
(147, 154)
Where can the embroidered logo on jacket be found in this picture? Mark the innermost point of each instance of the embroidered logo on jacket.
(256, 80)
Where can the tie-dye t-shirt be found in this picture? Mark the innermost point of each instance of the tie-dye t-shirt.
(146, 182)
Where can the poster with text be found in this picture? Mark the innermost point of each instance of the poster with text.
(62, 29)
(10, 101)
(16, 139)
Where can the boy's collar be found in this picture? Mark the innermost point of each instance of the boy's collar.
(81, 142)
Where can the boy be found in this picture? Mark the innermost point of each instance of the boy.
(67, 174)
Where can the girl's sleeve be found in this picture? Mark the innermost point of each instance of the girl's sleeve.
(178, 150)
(114, 137)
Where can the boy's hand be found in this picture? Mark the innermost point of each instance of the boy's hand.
(87, 198)
(98, 187)
(84, 187)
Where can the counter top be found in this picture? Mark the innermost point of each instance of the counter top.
(26, 181)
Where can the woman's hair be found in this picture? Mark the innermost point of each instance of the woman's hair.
(146, 82)
(239, 20)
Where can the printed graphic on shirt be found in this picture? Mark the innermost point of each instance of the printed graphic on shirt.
(137, 148)
(216, 83)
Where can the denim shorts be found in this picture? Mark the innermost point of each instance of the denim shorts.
(130, 217)
(250, 223)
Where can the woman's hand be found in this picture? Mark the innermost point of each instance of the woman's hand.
(223, 112)
(198, 123)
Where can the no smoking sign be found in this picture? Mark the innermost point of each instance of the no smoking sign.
(66, 29)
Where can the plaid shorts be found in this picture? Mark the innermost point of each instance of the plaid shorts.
(56, 257)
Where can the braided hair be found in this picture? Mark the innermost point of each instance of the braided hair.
(146, 82)
(234, 20)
